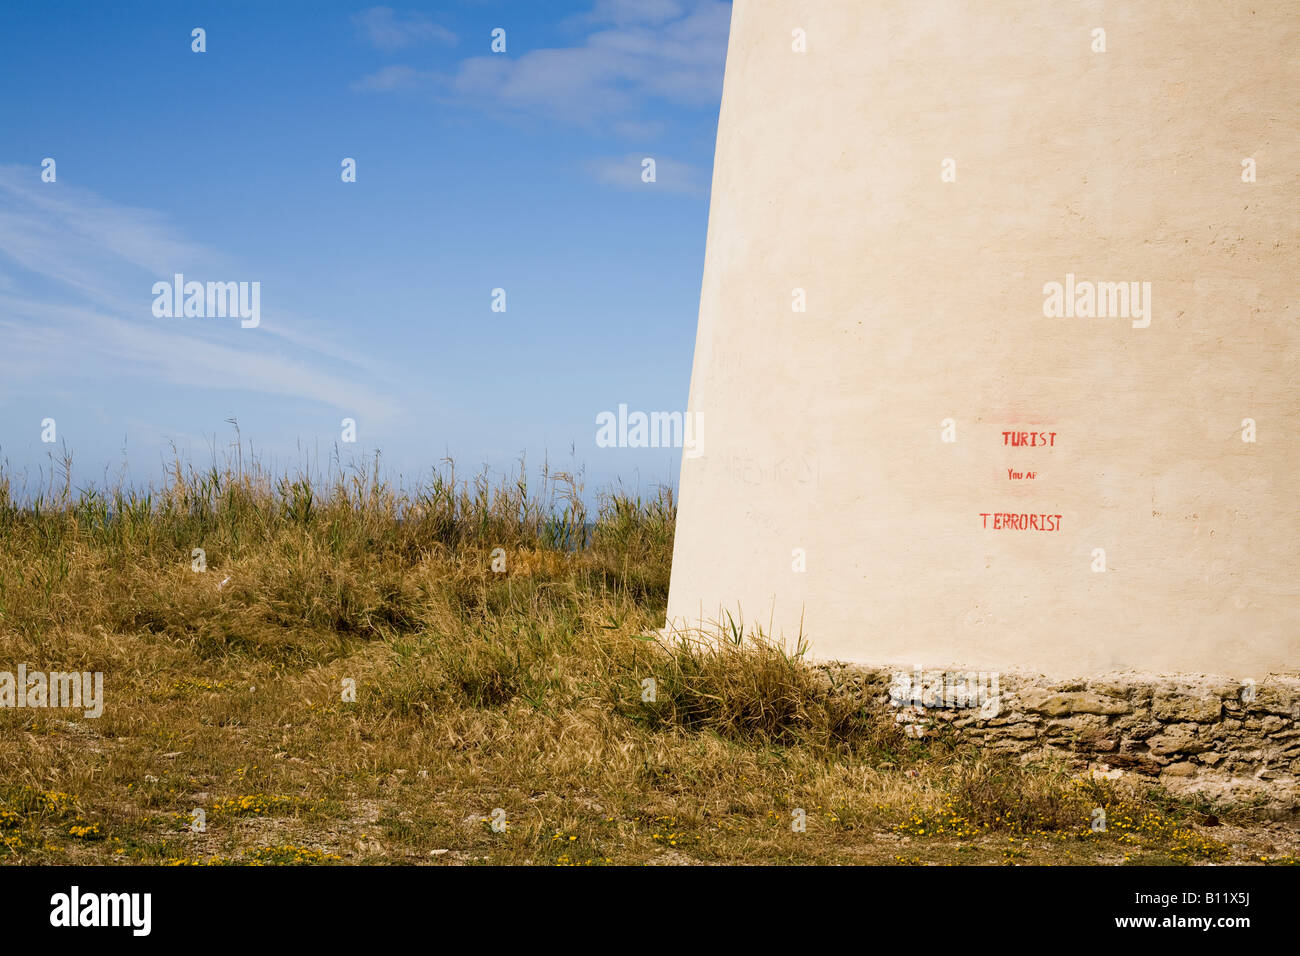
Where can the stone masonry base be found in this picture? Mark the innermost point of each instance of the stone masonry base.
(1235, 741)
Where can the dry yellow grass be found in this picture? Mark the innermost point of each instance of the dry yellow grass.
(498, 715)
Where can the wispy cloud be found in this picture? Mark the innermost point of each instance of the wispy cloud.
(76, 238)
(394, 78)
(634, 53)
(386, 29)
(635, 11)
(80, 271)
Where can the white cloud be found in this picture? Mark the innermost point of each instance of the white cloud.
(386, 29)
(651, 50)
(616, 69)
(81, 270)
(634, 11)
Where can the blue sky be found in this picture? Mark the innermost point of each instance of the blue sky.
(475, 171)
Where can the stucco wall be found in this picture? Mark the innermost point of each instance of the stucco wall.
(823, 430)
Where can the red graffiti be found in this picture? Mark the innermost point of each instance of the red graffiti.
(1030, 439)
(1021, 522)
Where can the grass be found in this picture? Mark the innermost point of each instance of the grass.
(349, 680)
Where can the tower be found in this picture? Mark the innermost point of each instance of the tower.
(997, 346)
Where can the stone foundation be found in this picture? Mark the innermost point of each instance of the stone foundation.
(1229, 740)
